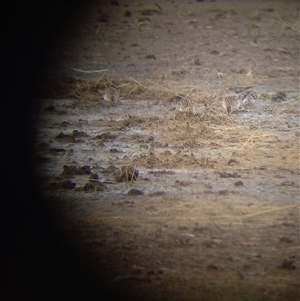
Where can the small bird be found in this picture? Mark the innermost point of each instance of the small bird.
(186, 105)
(231, 103)
(110, 94)
(248, 98)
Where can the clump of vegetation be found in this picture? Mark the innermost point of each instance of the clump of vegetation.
(127, 174)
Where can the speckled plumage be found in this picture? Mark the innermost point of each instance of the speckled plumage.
(110, 94)
(231, 103)
(248, 98)
(185, 105)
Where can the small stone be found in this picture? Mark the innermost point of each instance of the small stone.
(223, 192)
(135, 191)
(127, 14)
(114, 151)
(229, 175)
(183, 227)
(215, 267)
(94, 176)
(239, 183)
(92, 186)
(287, 265)
(232, 162)
(197, 62)
(150, 56)
(287, 183)
(216, 52)
(285, 239)
(187, 239)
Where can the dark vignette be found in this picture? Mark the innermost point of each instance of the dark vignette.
(36, 262)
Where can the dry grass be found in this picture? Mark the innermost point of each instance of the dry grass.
(198, 143)
(195, 140)
(90, 90)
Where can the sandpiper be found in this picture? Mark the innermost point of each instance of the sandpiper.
(110, 94)
(186, 105)
(248, 98)
(231, 103)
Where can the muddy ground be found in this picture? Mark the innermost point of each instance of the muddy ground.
(170, 205)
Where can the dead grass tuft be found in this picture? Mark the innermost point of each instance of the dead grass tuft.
(207, 132)
(90, 91)
(179, 159)
(76, 88)
(127, 174)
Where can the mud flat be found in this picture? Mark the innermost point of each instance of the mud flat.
(171, 205)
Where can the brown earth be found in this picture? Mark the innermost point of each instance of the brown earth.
(169, 205)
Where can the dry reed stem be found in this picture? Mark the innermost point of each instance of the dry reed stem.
(267, 211)
(253, 136)
(288, 25)
(90, 71)
(134, 80)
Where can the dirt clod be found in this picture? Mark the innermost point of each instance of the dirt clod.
(94, 176)
(285, 240)
(135, 191)
(66, 184)
(287, 265)
(232, 162)
(239, 184)
(55, 150)
(74, 170)
(229, 175)
(92, 186)
(215, 267)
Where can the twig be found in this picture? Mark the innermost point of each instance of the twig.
(218, 226)
(90, 71)
(267, 211)
(160, 86)
(138, 83)
(294, 99)
(189, 92)
(131, 154)
(97, 29)
(159, 7)
(255, 136)
(122, 85)
(287, 24)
